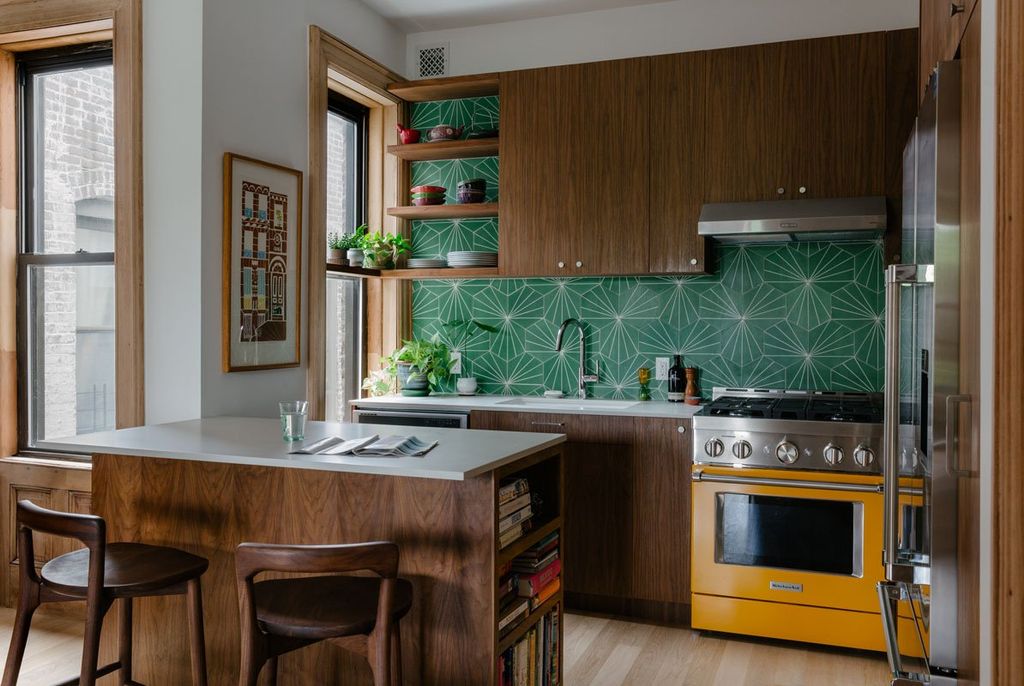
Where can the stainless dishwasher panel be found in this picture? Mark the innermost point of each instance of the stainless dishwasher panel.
(437, 420)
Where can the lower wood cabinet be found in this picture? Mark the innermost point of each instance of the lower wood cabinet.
(627, 510)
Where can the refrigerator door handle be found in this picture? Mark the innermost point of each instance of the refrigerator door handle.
(953, 403)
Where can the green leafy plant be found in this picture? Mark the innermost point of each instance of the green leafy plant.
(382, 249)
(430, 359)
(347, 241)
(465, 329)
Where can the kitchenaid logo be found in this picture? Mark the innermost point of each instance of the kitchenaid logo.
(784, 586)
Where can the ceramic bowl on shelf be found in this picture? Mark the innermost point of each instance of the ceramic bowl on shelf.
(473, 185)
(421, 202)
(444, 132)
(466, 196)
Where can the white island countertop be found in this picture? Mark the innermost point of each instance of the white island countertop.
(460, 454)
(449, 402)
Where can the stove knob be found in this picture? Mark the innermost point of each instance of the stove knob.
(714, 447)
(833, 454)
(863, 456)
(741, 450)
(787, 452)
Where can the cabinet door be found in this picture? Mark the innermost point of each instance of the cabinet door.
(539, 209)
(941, 30)
(833, 106)
(660, 516)
(678, 163)
(610, 171)
(743, 150)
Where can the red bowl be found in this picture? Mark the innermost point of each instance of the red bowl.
(428, 189)
(427, 201)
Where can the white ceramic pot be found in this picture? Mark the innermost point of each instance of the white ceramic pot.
(466, 385)
(355, 257)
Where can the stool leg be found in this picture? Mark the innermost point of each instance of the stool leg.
(396, 656)
(28, 601)
(198, 637)
(125, 641)
(95, 609)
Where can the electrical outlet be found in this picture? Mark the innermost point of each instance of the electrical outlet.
(457, 363)
(661, 369)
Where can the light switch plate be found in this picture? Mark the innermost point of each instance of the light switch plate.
(457, 363)
(661, 369)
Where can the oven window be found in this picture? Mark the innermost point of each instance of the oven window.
(788, 533)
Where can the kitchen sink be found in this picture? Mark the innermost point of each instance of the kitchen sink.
(567, 404)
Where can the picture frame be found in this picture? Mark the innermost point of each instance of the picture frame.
(261, 318)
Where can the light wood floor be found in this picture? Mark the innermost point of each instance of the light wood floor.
(598, 652)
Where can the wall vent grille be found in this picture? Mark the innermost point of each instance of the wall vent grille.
(432, 60)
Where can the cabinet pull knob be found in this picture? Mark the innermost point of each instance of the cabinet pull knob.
(780, 190)
(803, 189)
(547, 423)
(693, 260)
(681, 429)
(955, 9)
(579, 263)
(561, 265)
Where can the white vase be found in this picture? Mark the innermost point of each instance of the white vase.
(355, 257)
(466, 385)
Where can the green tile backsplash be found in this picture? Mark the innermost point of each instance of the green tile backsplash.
(808, 315)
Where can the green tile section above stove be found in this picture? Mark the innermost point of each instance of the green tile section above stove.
(808, 315)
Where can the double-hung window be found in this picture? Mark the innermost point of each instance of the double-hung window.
(347, 124)
(66, 245)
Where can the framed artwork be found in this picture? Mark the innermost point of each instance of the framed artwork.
(262, 301)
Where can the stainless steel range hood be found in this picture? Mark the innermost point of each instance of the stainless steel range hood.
(781, 221)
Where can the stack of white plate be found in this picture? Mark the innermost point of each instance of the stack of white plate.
(427, 263)
(472, 258)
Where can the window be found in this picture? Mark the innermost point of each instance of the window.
(346, 209)
(66, 245)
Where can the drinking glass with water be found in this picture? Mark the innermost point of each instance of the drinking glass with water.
(293, 419)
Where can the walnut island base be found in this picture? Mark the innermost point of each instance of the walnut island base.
(446, 529)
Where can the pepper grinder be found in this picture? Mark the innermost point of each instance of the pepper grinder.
(692, 392)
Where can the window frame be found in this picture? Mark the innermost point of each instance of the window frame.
(359, 115)
(29, 140)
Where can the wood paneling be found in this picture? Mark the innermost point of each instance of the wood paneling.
(941, 30)
(901, 55)
(333, 64)
(444, 530)
(574, 150)
(467, 211)
(970, 422)
(8, 257)
(448, 88)
(1008, 429)
(446, 150)
(677, 163)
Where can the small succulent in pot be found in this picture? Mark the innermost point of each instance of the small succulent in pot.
(341, 245)
(381, 250)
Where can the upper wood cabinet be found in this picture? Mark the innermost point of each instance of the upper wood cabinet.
(574, 169)
(942, 25)
(800, 119)
(678, 163)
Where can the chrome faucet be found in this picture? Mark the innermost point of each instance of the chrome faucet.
(584, 378)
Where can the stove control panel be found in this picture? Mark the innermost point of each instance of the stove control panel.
(820, 446)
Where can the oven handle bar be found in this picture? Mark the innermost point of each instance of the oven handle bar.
(700, 475)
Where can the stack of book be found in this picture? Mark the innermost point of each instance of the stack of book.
(539, 571)
(533, 659)
(514, 512)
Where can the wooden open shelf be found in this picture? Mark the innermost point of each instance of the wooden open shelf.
(466, 211)
(448, 88)
(474, 273)
(520, 546)
(446, 150)
(531, 619)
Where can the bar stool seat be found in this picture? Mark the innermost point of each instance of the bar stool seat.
(323, 607)
(131, 570)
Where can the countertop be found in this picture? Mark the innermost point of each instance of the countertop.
(503, 403)
(459, 455)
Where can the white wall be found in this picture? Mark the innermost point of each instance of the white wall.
(655, 29)
(172, 74)
(254, 103)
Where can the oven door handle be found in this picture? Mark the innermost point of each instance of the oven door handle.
(700, 475)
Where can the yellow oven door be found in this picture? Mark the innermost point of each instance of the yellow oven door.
(787, 537)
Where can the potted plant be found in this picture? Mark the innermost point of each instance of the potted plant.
(381, 250)
(336, 246)
(352, 244)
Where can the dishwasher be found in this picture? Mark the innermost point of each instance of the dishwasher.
(436, 420)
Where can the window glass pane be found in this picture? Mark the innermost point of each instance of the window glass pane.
(71, 350)
(342, 168)
(344, 345)
(73, 160)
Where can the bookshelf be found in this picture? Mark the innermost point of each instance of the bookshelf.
(545, 475)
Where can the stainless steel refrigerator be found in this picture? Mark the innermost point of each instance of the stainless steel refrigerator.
(922, 400)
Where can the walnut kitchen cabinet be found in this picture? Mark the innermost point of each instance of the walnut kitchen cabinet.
(574, 152)
(627, 510)
(942, 26)
(678, 163)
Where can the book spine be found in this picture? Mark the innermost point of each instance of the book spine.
(513, 490)
(548, 591)
(515, 518)
(505, 538)
(513, 505)
(531, 585)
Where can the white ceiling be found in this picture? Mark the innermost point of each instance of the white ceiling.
(432, 15)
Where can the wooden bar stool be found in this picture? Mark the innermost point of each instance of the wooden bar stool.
(282, 615)
(99, 574)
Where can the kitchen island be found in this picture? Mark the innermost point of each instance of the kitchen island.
(207, 485)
